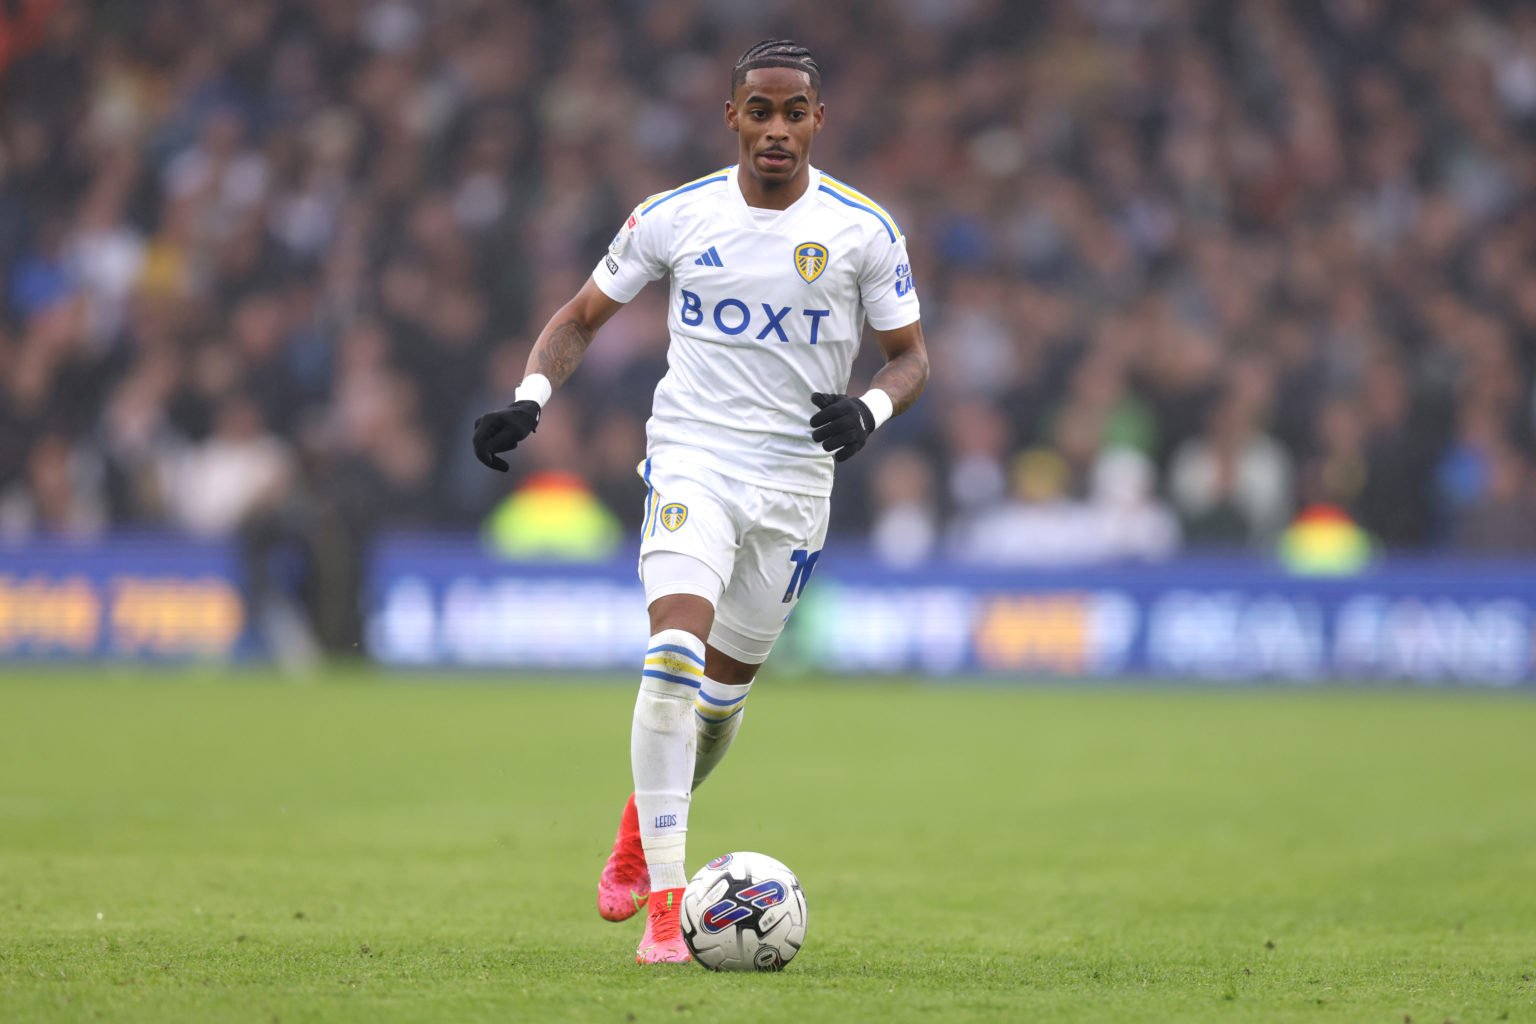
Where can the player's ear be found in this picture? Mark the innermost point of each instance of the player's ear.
(732, 116)
(821, 112)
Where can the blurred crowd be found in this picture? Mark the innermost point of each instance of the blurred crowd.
(1188, 267)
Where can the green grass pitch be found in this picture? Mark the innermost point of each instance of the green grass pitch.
(243, 849)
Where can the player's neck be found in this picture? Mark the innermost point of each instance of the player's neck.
(775, 196)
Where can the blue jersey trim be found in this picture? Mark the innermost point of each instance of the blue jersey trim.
(676, 649)
(656, 673)
(860, 206)
(650, 497)
(677, 192)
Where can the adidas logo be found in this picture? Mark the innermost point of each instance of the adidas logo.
(709, 259)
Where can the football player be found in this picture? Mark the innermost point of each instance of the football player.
(775, 268)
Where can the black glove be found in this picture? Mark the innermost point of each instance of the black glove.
(843, 424)
(500, 431)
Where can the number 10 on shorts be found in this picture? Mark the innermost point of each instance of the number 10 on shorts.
(805, 564)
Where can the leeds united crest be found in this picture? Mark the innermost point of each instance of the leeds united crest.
(672, 515)
(810, 260)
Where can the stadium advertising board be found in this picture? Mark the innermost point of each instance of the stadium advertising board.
(123, 598)
(447, 603)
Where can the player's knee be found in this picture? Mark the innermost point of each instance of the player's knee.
(687, 612)
(723, 668)
(681, 592)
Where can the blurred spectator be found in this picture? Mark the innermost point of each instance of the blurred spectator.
(1285, 252)
(1503, 517)
(1117, 518)
(905, 531)
(215, 486)
(1485, 488)
(1232, 484)
(59, 493)
(1136, 524)
(978, 444)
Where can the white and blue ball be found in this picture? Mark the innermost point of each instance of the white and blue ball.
(744, 912)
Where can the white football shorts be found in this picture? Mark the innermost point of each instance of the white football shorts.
(761, 543)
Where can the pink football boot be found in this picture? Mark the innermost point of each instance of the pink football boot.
(663, 942)
(625, 883)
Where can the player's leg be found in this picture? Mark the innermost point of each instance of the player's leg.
(720, 708)
(688, 544)
(687, 549)
(662, 735)
(648, 849)
(626, 881)
(684, 592)
(773, 563)
(653, 828)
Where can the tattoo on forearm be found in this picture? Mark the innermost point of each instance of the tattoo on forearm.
(903, 379)
(557, 353)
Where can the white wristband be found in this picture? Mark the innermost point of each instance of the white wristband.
(535, 387)
(880, 405)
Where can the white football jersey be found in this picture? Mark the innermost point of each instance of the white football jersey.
(767, 307)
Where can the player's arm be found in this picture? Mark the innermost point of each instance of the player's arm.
(564, 340)
(555, 355)
(844, 423)
(905, 372)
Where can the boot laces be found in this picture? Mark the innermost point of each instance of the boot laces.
(666, 922)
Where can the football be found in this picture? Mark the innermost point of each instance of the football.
(744, 912)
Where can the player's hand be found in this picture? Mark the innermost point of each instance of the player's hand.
(842, 426)
(500, 431)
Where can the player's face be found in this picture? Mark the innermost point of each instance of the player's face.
(776, 113)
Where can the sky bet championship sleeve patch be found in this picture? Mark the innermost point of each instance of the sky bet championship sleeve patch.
(673, 515)
(810, 260)
(621, 240)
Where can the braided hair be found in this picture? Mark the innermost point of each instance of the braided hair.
(776, 53)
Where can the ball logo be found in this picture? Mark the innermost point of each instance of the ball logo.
(764, 894)
(722, 915)
(742, 904)
(719, 862)
(810, 260)
(673, 516)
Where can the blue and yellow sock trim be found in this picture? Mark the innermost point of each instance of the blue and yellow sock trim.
(673, 662)
(717, 709)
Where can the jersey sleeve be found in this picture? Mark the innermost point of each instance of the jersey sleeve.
(636, 256)
(886, 285)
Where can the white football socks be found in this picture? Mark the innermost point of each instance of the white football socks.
(661, 751)
(717, 713)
